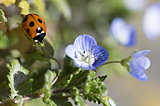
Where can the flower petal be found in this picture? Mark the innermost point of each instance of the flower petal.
(136, 69)
(143, 77)
(151, 21)
(122, 32)
(101, 55)
(132, 39)
(84, 65)
(140, 53)
(85, 42)
(141, 61)
(138, 65)
(70, 51)
(147, 63)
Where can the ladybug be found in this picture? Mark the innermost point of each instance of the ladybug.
(34, 26)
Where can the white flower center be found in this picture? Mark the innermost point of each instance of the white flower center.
(86, 57)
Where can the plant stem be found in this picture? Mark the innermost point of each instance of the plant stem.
(59, 71)
(110, 63)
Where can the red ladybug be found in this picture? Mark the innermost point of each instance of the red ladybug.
(34, 26)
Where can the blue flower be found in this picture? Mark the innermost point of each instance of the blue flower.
(85, 53)
(151, 21)
(138, 65)
(122, 32)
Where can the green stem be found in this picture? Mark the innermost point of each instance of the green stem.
(110, 62)
(59, 71)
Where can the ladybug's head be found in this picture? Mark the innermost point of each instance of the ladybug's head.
(39, 38)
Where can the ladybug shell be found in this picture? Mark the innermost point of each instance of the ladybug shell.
(34, 26)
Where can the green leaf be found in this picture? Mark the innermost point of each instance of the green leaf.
(49, 77)
(46, 49)
(49, 101)
(67, 73)
(78, 78)
(88, 80)
(35, 102)
(61, 101)
(63, 7)
(14, 68)
(2, 16)
(33, 83)
(4, 42)
(32, 57)
(78, 99)
(95, 86)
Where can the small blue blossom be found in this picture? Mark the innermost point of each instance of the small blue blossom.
(138, 65)
(151, 21)
(85, 52)
(122, 32)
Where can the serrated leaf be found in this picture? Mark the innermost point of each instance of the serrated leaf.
(14, 68)
(102, 78)
(24, 5)
(97, 98)
(63, 7)
(2, 16)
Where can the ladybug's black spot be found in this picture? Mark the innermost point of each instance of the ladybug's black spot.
(28, 30)
(40, 21)
(31, 24)
(25, 19)
(39, 30)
